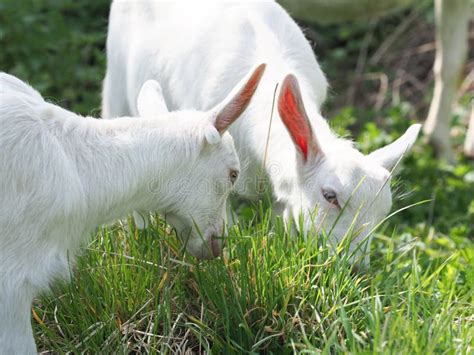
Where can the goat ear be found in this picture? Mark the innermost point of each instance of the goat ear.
(390, 155)
(237, 101)
(150, 101)
(293, 115)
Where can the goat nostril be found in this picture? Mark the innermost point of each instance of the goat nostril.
(215, 245)
(355, 270)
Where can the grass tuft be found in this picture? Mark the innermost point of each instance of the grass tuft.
(270, 292)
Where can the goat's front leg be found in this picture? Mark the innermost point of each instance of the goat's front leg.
(16, 334)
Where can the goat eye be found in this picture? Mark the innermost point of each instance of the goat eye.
(234, 174)
(331, 197)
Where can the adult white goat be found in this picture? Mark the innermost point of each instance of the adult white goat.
(198, 50)
(62, 175)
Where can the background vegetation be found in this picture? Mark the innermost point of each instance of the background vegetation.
(137, 291)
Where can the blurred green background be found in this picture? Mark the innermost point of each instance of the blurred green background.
(58, 47)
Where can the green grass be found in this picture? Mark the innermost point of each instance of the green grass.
(270, 292)
(275, 293)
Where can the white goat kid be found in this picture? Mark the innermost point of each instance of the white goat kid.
(198, 50)
(63, 175)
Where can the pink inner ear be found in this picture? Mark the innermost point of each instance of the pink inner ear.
(240, 101)
(293, 115)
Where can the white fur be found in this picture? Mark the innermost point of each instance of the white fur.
(198, 50)
(61, 175)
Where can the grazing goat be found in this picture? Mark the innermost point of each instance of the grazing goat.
(63, 175)
(199, 50)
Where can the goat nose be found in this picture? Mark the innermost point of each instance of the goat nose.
(355, 270)
(215, 246)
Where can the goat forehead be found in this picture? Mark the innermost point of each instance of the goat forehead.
(360, 181)
(372, 191)
(227, 141)
(353, 168)
(365, 187)
(226, 146)
(223, 153)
